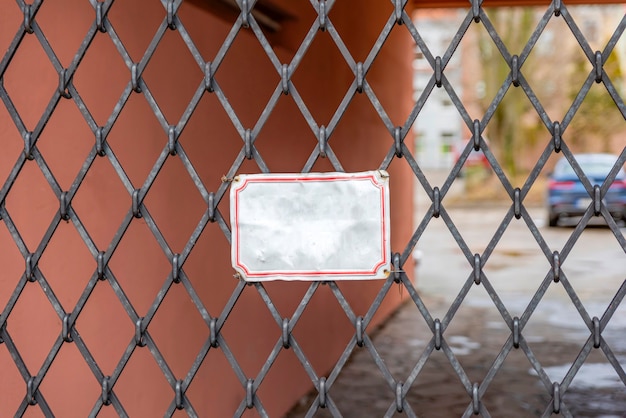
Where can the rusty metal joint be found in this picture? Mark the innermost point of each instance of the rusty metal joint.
(398, 11)
(211, 207)
(208, 77)
(101, 266)
(516, 332)
(28, 145)
(30, 268)
(245, 14)
(66, 329)
(557, 7)
(397, 268)
(476, 10)
(100, 141)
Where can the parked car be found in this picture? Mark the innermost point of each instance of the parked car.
(567, 197)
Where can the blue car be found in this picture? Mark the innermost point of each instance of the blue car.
(567, 197)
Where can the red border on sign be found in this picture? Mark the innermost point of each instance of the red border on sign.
(305, 273)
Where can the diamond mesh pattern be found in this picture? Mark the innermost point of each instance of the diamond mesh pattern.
(215, 212)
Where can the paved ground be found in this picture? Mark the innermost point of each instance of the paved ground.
(555, 334)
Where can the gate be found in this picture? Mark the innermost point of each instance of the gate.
(122, 126)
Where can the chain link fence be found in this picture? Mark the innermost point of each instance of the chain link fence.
(44, 306)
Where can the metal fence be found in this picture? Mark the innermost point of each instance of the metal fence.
(28, 28)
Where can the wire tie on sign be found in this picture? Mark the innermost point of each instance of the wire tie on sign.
(28, 145)
(359, 331)
(322, 141)
(557, 7)
(476, 10)
(136, 204)
(28, 28)
(397, 139)
(170, 15)
(249, 394)
(211, 205)
(398, 11)
(596, 332)
(476, 136)
(247, 139)
(134, 78)
(556, 267)
(322, 392)
(477, 269)
(438, 71)
(179, 394)
(63, 210)
(359, 77)
(556, 397)
(436, 202)
(597, 200)
(517, 203)
(285, 78)
(515, 70)
(516, 332)
(105, 390)
(139, 342)
(100, 141)
(285, 334)
(598, 66)
(322, 15)
(399, 406)
(208, 77)
(63, 84)
(100, 17)
(556, 136)
(30, 274)
(397, 269)
(245, 18)
(213, 333)
(176, 268)
(30, 391)
(437, 334)
(100, 268)
(172, 139)
(475, 399)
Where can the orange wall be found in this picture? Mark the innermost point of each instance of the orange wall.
(140, 266)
